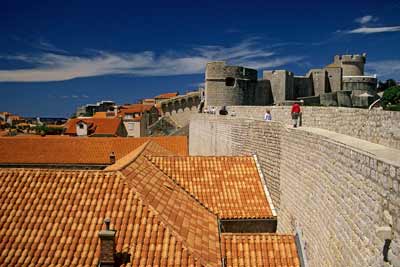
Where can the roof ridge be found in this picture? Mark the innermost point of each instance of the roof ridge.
(163, 221)
(264, 186)
(199, 156)
(66, 170)
(123, 162)
(148, 157)
(256, 234)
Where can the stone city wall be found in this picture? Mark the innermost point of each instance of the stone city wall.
(377, 126)
(334, 192)
(182, 116)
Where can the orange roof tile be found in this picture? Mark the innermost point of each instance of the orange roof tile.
(74, 150)
(196, 226)
(52, 217)
(229, 186)
(100, 114)
(261, 250)
(148, 148)
(167, 95)
(98, 126)
(135, 108)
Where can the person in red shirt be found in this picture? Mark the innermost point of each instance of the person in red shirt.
(295, 114)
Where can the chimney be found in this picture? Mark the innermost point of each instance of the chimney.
(112, 157)
(107, 246)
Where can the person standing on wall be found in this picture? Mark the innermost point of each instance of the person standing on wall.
(267, 115)
(223, 111)
(202, 101)
(295, 114)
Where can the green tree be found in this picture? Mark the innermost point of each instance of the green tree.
(391, 98)
(41, 129)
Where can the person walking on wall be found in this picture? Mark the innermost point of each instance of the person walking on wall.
(202, 101)
(267, 115)
(223, 111)
(295, 114)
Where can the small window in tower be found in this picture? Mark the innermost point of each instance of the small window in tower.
(229, 81)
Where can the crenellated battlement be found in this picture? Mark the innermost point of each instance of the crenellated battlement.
(351, 58)
(353, 65)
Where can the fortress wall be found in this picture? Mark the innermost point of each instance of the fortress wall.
(182, 117)
(377, 126)
(334, 192)
(337, 196)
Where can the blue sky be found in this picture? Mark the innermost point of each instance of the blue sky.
(57, 55)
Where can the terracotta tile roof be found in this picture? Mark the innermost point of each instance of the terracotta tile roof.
(104, 114)
(97, 126)
(196, 225)
(74, 150)
(134, 108)
(53, 217)
(261, 250)
(167, 95)
(100, 114)
(148, 148)
(229, 186)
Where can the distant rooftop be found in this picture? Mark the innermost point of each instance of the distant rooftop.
(77, 150)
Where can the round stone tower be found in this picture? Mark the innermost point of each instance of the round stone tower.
(352, 65)
(229, 85)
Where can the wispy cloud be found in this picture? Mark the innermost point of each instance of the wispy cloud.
(385, 68)
(370, 30)
(56, 67)
(47, 46)
(366, 26)
(366, 19)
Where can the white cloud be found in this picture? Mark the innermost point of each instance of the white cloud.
(370, 30)
(46, 46)
(366, 19)
(56, 67)
(366, 26)
(385, 69)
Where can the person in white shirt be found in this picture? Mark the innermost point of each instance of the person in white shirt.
(267, 115)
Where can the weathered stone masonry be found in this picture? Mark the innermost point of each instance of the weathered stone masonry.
(334, 192)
